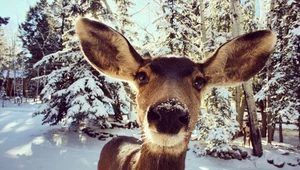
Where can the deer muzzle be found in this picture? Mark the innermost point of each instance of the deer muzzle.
(169, 117)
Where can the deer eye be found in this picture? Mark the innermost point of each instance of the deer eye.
(198, 83)
(142, 78)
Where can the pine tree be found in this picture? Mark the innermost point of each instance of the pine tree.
(178, 26)
(285, 79)
(217, 13)
(3, 58)
(280, 87)
(218, 125)
(39, 38)
(76, 92)
(218, 100)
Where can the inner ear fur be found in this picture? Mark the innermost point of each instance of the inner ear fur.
(239, 59)
(107, 50)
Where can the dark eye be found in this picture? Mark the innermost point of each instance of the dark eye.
(198, 83)
(142, 78)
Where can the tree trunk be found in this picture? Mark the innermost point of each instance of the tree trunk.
(273, 128)
(263, 120)
(236, 24)
(235, 9)
(241, 111)
(280, 130)
(253, 123)
(269, 121)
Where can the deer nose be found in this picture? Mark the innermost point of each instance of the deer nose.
(169, 117)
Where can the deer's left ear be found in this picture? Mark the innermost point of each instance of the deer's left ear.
(239, 59)
(107, 50)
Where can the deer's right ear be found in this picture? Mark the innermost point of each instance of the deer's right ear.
(107, 50)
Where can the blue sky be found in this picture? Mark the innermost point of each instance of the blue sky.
(15, 9)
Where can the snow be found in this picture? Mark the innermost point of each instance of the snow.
(296, 31)
(172, 104)
(19, 74)
(290, 2)
(28, 145)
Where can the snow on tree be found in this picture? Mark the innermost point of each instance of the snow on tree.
(122, 18)
(76, 91)
(217, 14)
(218, 125)
(249, 19)
(283, 83)
(285, 78)
(177, 26)
(218, 132)
(3, 49)
(38, 35)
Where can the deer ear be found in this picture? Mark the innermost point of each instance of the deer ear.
(239, 59)
(107, 50)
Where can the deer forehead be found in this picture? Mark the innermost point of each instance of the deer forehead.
(172, 69)
(169, 79)
(169, 67)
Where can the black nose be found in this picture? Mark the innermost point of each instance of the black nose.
(169, 117)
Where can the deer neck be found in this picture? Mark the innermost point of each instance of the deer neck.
(148, 160)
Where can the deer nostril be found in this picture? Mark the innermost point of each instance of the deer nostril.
(185, 119)
(153, 117)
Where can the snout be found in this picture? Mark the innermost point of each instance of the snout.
(169, 117)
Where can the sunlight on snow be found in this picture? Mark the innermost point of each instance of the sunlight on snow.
(203, 168)
(82, 138)
(60, 139)
(20, 150)
(9, 127)
(25, 127)
(25, 150)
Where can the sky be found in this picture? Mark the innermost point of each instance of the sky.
(15, 9)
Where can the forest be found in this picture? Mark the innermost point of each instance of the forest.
(46, 51)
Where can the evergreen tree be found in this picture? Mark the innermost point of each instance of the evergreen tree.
(249, 19)
(3, 58)
(284, 83)
(122, 17)
(78, 92)
(39, 38)
(280, 86)
(218, 133)
(177, 27)
(218, 125)
(217, 13)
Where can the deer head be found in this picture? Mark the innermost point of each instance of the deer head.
(169, 89)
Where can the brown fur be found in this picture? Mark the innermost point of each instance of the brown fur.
(166, 81)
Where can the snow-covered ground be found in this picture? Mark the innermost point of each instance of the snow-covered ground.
(26, 144)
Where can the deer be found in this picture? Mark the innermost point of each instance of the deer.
(169, 90)
(246, 134)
